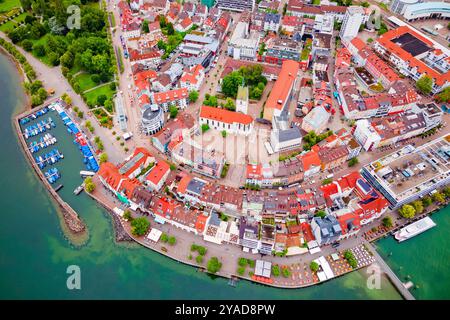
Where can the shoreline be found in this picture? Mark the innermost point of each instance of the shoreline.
(119, 223)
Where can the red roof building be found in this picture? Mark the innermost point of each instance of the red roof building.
(158, 175)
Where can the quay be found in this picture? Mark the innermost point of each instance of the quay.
(401, 287)
(71, 218)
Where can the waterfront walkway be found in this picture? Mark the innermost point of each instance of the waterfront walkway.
(391, 275)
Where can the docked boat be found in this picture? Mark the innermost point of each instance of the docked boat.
(84, 173)
(59, 187)
(414, 229)
(78, 189)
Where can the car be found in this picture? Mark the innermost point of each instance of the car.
(335, 245)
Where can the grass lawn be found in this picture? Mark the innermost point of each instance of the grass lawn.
(85, 81)
(9, 26)
(7, 5)
(91, 96)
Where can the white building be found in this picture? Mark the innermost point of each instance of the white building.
(193, 78)
(242, 100)
(399, 6)
(353, 19)
(242, 44)
(272, 22)
(225, 120)
(177, 97)
(366, 135)
(283, 138)
(435, 10)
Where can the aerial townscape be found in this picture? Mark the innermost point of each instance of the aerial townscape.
(272, 141)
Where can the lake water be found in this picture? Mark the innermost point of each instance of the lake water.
(34, 254)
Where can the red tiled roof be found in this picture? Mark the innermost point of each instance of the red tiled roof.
(254, 171)
(345, 219)
(283, 85)
(223, 115)
(200, 223)
(182, 185)
(158, 172)
(358, 43)
(310, 159)
(171, 95)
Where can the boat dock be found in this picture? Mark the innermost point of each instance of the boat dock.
(401, 287)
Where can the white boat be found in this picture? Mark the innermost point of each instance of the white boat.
(84, 173)
(414, 229)
(78, 189)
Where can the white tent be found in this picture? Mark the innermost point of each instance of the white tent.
(154, 235)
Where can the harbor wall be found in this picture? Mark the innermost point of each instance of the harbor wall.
(71, 218)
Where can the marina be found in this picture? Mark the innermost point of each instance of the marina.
(414, 229)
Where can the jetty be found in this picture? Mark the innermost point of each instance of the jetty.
(401, 287)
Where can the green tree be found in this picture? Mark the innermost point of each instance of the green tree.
(353, 161)
(286, 272)
(201, 250)
(101, 99)
(224, 134)
(214, 265)
(42, 93)
(172, 240)
(231, 83)
(205, 127)
(387, 221)
(407, 211)
(140, 226)
(242, 262)
(418, 206)
(103, 158)
(27, 45)
(314, 266)
(444, 96)
(173, 111)
(39, 50)
(446, 191)
(193, 96)
(425, 84)
(145, 28)
(438, 197)
(127, 215)
(229, 105)
(199, 259)
(426, 201)
(321, 214)
(276, 270)
(89, 186)
(241, 271)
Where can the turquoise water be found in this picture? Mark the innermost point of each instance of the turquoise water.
(34, 253)
(424, 258)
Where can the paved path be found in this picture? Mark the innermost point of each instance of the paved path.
(391, 275)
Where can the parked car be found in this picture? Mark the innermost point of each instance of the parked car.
(336, 244)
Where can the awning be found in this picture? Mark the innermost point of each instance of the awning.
(160, 220)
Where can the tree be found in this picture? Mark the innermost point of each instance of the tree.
(53, 58)
(438, 197)
(231, 83)
(370, 40)
(42, 93)
(229, 105)
(172, 240)
(241, 271)
(89, 186)
(199, 259)
(170, 29)
(444, 96)
(276, 270)
(173, 111)
(103, 158)
(139, 226)
(286, 272)
(214, 265)
(224, 134)
(426, 201)
(242, 262)
(321, 214)
(446, 192)
(205, 127)
(314, 266)
(387, 221)
(418, 206)
(145, 28)
(201, 250)
(353, 161)
(193, 96)
(101, 99)
(127, 215)
(172, 167)
(425, 84)
(68, 100)
(39, 50)
(407, 211)
(27, 45)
